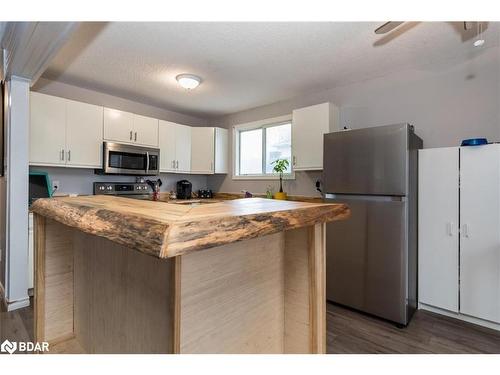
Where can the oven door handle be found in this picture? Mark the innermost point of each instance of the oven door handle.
(147, 161)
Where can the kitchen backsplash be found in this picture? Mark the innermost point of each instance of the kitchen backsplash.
(80, 181)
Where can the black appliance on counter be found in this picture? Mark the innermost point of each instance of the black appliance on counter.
(205, 193)
(184, 188)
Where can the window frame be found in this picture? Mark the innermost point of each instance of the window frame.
(261, 124)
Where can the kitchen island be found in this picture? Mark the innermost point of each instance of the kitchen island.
(117, 275)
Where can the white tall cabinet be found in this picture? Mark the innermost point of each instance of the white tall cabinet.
(459, 231)
(438, 227)
(480, 232)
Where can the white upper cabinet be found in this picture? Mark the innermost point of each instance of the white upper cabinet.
(145, 131)
(480, 233)
(83, 134)
(64, 132)
(203, 147)
(183, 148)
(118, 126)
(438, 234)
(166, 139)
(221, 151)
(308, 126)
(175, 147)
(47, 130)
(126, 127)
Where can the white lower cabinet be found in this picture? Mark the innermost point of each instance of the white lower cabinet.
(459, 266)
(175, 147)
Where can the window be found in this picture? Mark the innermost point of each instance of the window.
(258, 144)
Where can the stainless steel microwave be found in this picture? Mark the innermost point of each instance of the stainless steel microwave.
(126, 159)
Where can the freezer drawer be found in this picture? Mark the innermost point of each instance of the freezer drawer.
(370, 161)
(366, 258)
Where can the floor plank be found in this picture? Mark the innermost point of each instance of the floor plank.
(348, 332)
(352, 332)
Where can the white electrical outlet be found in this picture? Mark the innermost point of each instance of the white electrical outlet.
(55, 185)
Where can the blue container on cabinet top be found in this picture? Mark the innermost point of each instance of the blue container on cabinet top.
(474, 142)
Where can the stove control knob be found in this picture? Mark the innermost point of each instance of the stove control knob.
(109, 187)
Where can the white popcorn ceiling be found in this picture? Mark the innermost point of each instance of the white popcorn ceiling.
(246, 65)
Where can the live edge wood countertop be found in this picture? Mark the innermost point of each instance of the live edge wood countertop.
(166, 230)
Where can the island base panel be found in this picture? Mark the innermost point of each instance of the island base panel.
(264, 295)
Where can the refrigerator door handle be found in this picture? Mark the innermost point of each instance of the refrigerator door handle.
(373, 198)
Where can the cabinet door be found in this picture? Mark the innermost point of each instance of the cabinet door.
(118, 126)
(308, 126)
(145, 131)
(167, 146)
(183, 148)
(47, 129)
(480, 233)
(202, 154)
(84, 134)
(221, 151)
(438, 227)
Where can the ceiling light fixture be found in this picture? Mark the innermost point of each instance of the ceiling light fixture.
(188, 81)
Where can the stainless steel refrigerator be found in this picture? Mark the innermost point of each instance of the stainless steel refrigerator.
(372, 257)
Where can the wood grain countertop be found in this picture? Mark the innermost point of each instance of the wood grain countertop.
(166, 230)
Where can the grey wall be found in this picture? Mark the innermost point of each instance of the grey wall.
(79, 181)
(445, 104)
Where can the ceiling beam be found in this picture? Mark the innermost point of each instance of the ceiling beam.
(29, 47)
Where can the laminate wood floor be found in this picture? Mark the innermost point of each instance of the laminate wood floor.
(350, 332)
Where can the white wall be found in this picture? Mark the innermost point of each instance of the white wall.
(445, 104)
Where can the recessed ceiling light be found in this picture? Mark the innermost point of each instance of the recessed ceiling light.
(188, 81)
(479, 43)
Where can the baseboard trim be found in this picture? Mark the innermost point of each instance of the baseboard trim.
(459, 316)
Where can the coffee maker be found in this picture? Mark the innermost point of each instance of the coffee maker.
(184, 189)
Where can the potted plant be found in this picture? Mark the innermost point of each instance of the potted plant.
(280, 166)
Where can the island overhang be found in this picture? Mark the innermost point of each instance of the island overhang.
(166, 230)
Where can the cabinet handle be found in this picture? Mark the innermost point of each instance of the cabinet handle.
(449, 228)
(62, 154)
(173, 164)
(69, 155)
(294, 162)
(177, 164)
(465, 229)
(135, 137)
(211, 165)
(131, 135)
